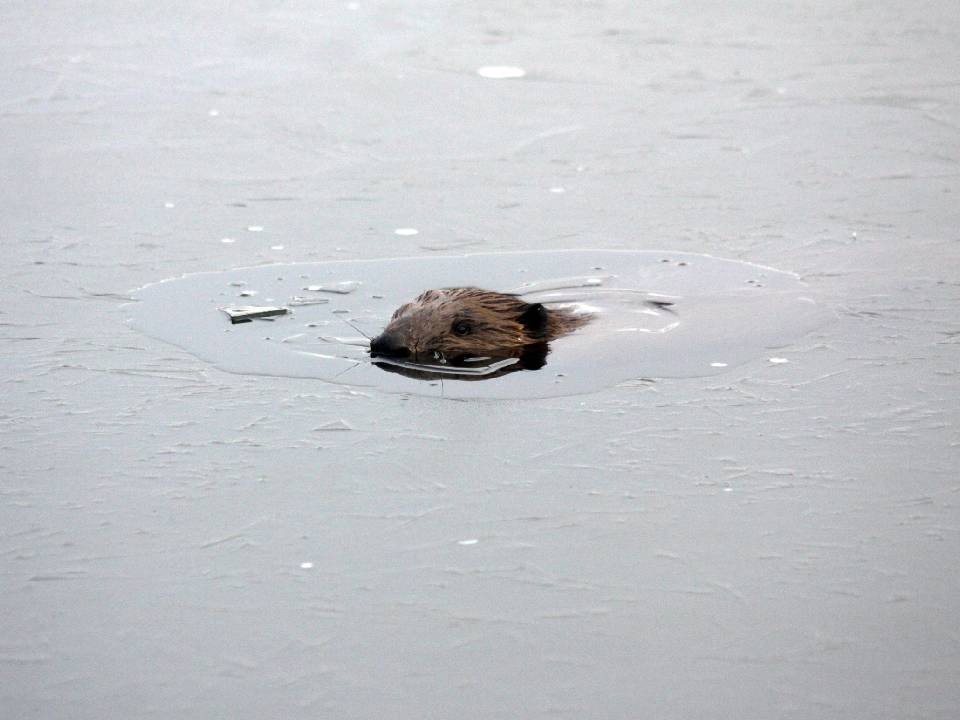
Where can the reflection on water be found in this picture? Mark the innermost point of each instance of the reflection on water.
(533, 357)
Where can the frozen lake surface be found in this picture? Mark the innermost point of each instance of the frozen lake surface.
(770, 540)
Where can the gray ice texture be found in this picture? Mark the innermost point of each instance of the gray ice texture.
(780, 540)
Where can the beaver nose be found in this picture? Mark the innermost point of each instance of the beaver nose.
(387, 346)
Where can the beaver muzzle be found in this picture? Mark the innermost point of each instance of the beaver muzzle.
(386, 345)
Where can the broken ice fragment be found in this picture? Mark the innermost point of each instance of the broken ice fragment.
(246, 313)
(300, 301)
(340, 288)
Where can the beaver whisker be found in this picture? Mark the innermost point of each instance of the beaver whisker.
(478, 370)
(352, 342)
(356, 328)
(345, 371)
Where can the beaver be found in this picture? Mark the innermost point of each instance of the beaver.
(459, 325)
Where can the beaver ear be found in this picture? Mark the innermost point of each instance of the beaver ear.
(534, 319)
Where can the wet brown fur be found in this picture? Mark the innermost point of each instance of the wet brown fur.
(453, 324)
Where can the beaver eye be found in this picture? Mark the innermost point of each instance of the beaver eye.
(462, 327)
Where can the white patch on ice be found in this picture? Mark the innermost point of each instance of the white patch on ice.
(501, 72)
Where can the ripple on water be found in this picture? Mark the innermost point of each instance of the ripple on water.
(725, 313)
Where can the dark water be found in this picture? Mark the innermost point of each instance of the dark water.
(775, 540)
(723, 314)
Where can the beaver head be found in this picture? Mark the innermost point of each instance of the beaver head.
(452, 325)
